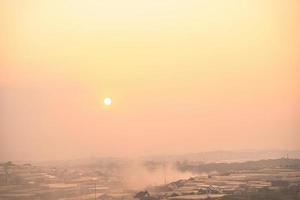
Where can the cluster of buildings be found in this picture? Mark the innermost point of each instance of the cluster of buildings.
(235, 183)
(27, 182)
(22, 182)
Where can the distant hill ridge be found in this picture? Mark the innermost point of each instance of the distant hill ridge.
(235, 166)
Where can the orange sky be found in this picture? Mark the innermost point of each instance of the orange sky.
(184, 76)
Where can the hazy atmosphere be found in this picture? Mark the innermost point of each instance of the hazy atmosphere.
(180, 77)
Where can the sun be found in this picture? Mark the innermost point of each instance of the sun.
(107, 101)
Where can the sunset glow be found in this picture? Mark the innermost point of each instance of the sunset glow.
(184, 76)
(107, 101)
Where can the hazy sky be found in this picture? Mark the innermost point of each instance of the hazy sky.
(184, 76)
